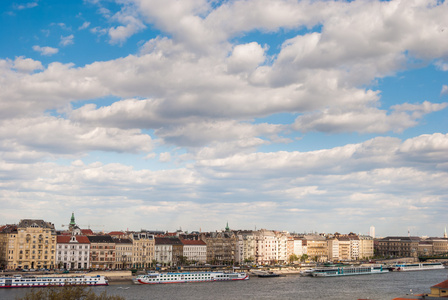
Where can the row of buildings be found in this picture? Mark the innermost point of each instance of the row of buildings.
(34, 244)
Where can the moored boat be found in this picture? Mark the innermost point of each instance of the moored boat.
(417, 267)
(184, 277)
(46, 281)
(348, 271)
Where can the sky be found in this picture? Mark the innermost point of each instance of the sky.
(304, 116)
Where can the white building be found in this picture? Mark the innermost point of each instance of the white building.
(195, 251)
(72, 252)
(372, 231)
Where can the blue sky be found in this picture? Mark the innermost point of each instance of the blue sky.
(288, 115)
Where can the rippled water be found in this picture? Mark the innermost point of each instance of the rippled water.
(379, 287)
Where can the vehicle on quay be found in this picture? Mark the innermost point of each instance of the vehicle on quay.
(184, 277)
(348, 271)
(417, 267)
(18, 281)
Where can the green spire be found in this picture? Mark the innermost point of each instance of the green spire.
(72, 220)
(227, 227)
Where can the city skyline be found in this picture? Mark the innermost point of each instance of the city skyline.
(326, 116)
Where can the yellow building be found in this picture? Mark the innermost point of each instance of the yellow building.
(143, 249)
(439, 290)
(30, 245)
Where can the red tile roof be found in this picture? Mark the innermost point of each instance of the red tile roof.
(116, 233)
(442, 285)
(87, 231)
(193, 242)
(65, 239)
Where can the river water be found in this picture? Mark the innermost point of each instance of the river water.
(378, 287)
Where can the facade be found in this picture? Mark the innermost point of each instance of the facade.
(366, 249)
(220, 247)
(102, 252)
(195, 251)
(29, 245)
(168, 250)
(123, 253)
(72, 252)
(333, 249)
(246, 247)
(316, 246)
(398, 246)
(143, 249)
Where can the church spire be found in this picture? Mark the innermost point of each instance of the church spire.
(444, 235)
(227, 227)
(72, 222)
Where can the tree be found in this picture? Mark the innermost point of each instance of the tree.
(67, 293)
(293, 258)
(304, 257)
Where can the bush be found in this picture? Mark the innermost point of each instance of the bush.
(67, 293)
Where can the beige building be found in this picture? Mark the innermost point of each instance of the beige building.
(143, 249)
(31, 246)
(317, 248)
(123, 253)
(365, 247)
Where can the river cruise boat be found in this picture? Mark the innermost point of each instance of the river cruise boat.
(46, 281)
(417, 267)
(184, 277)
(348, 271)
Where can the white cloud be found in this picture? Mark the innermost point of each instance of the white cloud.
(54, 136)
(66, 40)
(25, 6)
(366, 120)
(47, 51)
(27, 65)
(84, 25)
(165, 157)
(245, 58)
(444, 90)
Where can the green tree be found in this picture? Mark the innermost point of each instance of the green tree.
(304, 257)
(293, 258)
(67, 293)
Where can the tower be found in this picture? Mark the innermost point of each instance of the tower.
(444, 234)
(372, 231)
(72, 222)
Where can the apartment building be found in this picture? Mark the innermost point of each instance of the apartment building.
(102, 252)
(72, 252)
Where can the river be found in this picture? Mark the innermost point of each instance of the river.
(379, 286)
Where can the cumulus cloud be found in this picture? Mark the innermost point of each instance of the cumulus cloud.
(55, 136)
(27, 65)
(366, 120)
(47, 51)
(245, 58)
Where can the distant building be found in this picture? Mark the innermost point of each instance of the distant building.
(398, 246)
(372, 231)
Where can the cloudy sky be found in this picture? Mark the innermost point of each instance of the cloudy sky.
(288, 115)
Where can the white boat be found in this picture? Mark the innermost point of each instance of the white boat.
(45, 281)
(183, 277)
(418, 267)
(348, 271)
